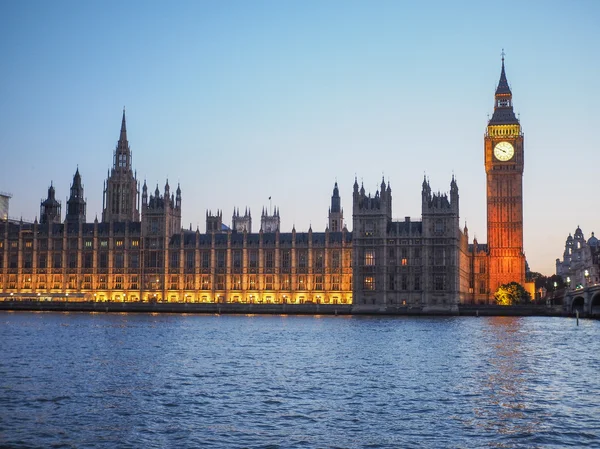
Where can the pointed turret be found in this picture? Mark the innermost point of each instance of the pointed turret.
(503, 87)
(503, 108)
(50, 207)
(145, 194)
(76, 205)
(123, 136)
(119, 206)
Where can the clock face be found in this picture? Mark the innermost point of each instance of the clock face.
(504, 151)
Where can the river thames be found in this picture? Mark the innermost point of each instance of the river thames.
(85, 380)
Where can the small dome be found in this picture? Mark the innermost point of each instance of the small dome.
(593, 241)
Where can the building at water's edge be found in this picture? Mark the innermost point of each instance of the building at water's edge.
(139, 251)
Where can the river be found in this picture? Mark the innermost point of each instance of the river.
(93, 380)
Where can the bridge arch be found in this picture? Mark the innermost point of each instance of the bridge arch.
(578, 304)
(595, 304)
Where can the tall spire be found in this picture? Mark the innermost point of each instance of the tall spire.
(123, 136)
(503, 107)
(503, 88)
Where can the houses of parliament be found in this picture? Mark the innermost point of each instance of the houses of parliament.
(140, 252)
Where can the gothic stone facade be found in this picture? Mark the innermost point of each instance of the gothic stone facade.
(141, 253)
(412, 264)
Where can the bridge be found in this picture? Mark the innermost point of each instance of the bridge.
(586, 300)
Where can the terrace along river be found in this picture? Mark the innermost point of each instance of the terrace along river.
(155, 381)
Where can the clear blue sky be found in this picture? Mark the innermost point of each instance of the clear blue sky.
(239, 101)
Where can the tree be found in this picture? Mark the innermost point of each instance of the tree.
(512, 294)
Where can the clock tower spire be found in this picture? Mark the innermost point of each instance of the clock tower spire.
(504, 163)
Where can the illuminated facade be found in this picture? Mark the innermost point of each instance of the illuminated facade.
(502, 259)
(125, 258)
(139, 252)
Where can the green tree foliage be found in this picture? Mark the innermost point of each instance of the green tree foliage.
(512, 294)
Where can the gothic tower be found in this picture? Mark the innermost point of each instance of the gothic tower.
(504, 160)
(50, 208)
(121, 195)
(270, 223)
(76, 203)
(336, 213)
(241, 223)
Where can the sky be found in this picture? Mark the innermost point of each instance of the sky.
(239, 101)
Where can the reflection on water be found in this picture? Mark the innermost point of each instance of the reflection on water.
(504, 403)
(135, 380)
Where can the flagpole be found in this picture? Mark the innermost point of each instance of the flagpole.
(270, 206)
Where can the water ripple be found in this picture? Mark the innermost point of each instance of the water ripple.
(129, 380)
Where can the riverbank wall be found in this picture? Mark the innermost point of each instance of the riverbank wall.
(273, 309)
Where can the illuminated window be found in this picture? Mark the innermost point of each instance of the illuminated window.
(369, 283)
(118, 282)
(335, 282)
(72, 282)
(174, 283)
(205, 282)
(133, 282)
(301, 282)
(88, 244)
(57, 281)
(103, 243)
(102, 282)
(269, 282)
(41, 281)
(220, 282)
(135, 243)
(370, 257)
(236, 282)
(252, 282)
(12, 282)
(119, 243)
(87, 282)
(29, 244)
(318, 282)
(286, 282)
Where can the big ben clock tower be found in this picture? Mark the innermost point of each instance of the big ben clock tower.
(504, 159)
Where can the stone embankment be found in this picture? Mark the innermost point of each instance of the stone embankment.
(276, 309)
